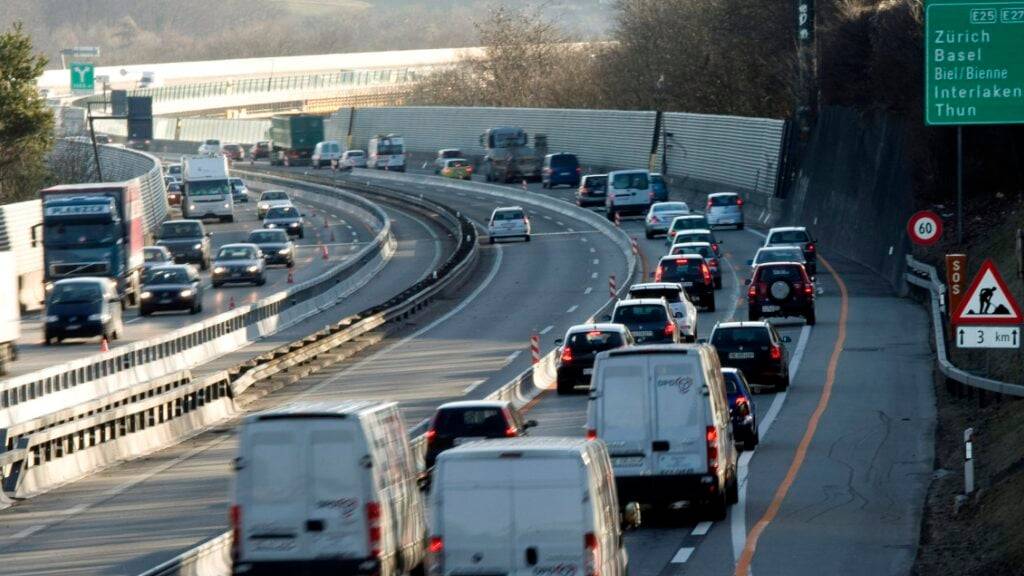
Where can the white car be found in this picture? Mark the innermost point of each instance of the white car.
(508, 222)
(209, 147)
(661, 215)
(682, 308)
(354, 158)
(526, 507)
(272, 199)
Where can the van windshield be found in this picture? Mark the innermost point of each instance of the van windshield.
(564, 161)
(471, 422)
(636, 180)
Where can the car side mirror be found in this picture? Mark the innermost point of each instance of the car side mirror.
(530, 424)
(787, 339)
(631, 516)
(558, 341)
(746, 282)
(209, 234)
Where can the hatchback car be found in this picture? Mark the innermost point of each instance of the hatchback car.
(794, 235)
(271, 198)
(174, 192)
(239, 191)
(153, 256)
(660, 217)
(508, 222)
(780, 289)
(238, 263)
(580, 346)
(725, 209)
(650, 320)
(444, 154)
(233, 152)
(171, 287)
(783, 253)
(276, 246)
(80, 308)
(707, 251)
(174, 170)
(742, 409)
(187, 240)
(287, 218)
(457, 423)
(659, 188)
(354, 158)
(458, 168)
(592, 190)
(262, 149)
(693, 272)
(560, 170)
(697, 235)
(680, 223)
(683, 310)
(756, 348)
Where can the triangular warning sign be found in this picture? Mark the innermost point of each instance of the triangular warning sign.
(988, 300)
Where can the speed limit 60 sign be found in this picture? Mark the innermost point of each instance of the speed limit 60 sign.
(925, 228)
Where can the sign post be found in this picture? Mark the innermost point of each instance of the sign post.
(83, 80)
(956, 271)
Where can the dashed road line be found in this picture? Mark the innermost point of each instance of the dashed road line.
(588, 290)
(594, 275)
(511, 357)
(682, 555)
(572, 308)
(702, 528)
(545, 330)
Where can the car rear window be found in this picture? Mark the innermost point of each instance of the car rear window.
(639, 313)
(451, 153)
(731, 338)
(773, 273)
(729, 200)
(671, 296)
(508, 215)
(464, 422)
(671, 207)
(564, 161)
(595, 182)
(794, 255)
(702, 249)
(638, 180)
(732, 385)
(680, 268)
(692, 237)
(594, 341)
(790, 237)
(274, 196)
(689, 223)
(181, 230)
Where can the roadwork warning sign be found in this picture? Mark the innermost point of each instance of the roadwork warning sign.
(988, 300)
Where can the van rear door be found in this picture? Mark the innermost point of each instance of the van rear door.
(337, 487)
(549, 500)
(624, 406)
(678, 444)
(479, 490)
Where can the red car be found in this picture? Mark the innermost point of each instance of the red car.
(262, 149)
(233, 152)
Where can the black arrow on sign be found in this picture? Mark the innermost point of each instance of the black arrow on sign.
(1014, 337)
(961, 336)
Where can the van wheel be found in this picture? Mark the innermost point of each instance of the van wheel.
(527, 238)
(719, 507)
(739, 226)
(732, 491)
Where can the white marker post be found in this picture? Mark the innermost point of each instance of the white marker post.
(968, 461)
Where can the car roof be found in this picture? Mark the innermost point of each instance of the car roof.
(528, 445)
(460, 159)
(640, 302)
(742, 324)
(271, 230)
(450, 150)
(780, 247)
(690, 217)
(475, 404)
(656, 285)
(504, 208)
(273, 190)
(695, 231)
(240, 245)
(173, 266)
(654, 349)
(359, 150)
(780, 263)
(714, 194)
(180, 220)
(605, 175)
(671, 203)
(678, 256)
(158, 248)
(788, 229)
(689, 244)
(84, 280)
(602, 326)
(339, 409)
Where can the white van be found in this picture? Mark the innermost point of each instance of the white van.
(629, 192)
(326, 487)
(664, 414)
(526, 507)
(326, 153)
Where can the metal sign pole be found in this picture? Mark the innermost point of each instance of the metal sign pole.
(959, 185)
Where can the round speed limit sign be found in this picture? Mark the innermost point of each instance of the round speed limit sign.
(925, 228)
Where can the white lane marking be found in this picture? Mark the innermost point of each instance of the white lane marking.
(573, 308)
(133, 320)
(559, 222)
(588, 290)
(594, 275)
(583, 240)
(738, 515)
(472, 386)
(596, 261)
(593, 250)
(437, 248)
(546, 330)
(512, 357)
(27, 532)
(682, 555)
(546, 217)
(702, 528)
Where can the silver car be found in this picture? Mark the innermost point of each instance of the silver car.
(239, 263)
(661, 215)
(270, 199)
(287, 218)
(508, 222)
(725, 209)
(354, 158)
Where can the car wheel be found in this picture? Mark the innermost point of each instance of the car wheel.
(302, 233)
(215, 284)
(732, 491)
(261, 281)
(527, 238)
(648, 234)
(739, 226)
(204, 265)
(755, 439)
(718, 283)
(143, 311)
(810, 317)
(47, 340)
(290, 264)
(490, 240)
(611, 215)
(782, 384)
(711, 305)
(718, 507)
(564, 388)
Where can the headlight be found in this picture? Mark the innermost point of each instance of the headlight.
(271, 225)
(48, 286)
(186, 293)
(191, 206)
(294, 224)
(197, 246)
(227, 205)
(284, 251)
(99, 317)
(219, 270)
(52, 318)
(145, 295)
(264, 205)
(253, 268)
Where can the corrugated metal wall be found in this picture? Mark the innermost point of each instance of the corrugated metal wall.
(16, 222)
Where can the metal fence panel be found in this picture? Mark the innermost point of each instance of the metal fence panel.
(16, 222)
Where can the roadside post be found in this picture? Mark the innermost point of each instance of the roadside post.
(968, 461)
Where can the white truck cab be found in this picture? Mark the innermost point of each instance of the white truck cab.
(206, 189)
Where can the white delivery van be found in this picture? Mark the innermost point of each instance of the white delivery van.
(663, 412)
(10, 311)
(206, 189)
(526, 507)
(629, 192)
(326, 488)
(325, 153)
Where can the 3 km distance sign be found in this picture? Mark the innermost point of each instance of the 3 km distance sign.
(925, 228)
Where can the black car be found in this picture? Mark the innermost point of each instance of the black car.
(187, 240)
(693, 272)
(649, 320)
(171, 287)
(455, 423)
(287, 218)
(276, 246)
(741, 407)
(593, 190)
(579, 347)
(781, 289)
(82, 307)
(756, 348)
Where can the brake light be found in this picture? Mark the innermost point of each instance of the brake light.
(511, 432)
(436, 545)
(469, 169)
(657, 274)
(431, 435)
(592, 555)
(742, 406)
(715, 248)
(591, 434)
(712, 437)
(669, 329)
(681, 261)
(435, 557)
(810, 247)
(707, 273)
(373, 527)
(566, 355)
(776, 353)
(809, 289)
(236, 531)
(739, 201)
(752, 292)
(578, 171)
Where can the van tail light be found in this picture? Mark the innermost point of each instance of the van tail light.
(373, 527)
(435, 556)
(658, 273)
(810, 247)
(591, 434)
(566, 355)
(431, 436)
(236, 531)
(669, 328)
(706, 272)
(712, 437)
(776, 353)
(591, 555)
(436, 545)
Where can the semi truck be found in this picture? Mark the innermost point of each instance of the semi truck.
(206, 188)
(508, 156)
(294, 139)
(94, 230)
(10, 311)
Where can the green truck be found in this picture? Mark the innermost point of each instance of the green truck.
(294, 138)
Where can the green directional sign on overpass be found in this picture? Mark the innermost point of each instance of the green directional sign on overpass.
(974, 62)
(83, 78)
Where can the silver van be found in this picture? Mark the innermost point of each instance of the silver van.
(725, 209)
(629, 192)
(663, 412)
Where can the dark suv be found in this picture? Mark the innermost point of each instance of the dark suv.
(780, 289)
(756, 348)
(457, 422)
(650, 320)
(560, 169)
(579, 347)
(592, 191)
(693, 272)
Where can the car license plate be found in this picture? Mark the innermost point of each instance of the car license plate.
(769, 308)
(643, 333)
(235, 274)
(72, 326)
(627, 460)
(687, 284)
(165, 300)
(588, 371)
(741, 355)
(460, 441)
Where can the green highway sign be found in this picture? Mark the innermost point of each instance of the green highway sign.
(83, 78)
(974, 62)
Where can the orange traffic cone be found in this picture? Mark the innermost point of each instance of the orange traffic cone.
(104, 345)
(618, 219)
(291, 276)
(323, 251)
(231, 303)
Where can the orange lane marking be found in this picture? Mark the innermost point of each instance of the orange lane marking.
(747, 557)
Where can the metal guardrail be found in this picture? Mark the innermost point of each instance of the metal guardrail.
(924, 276)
